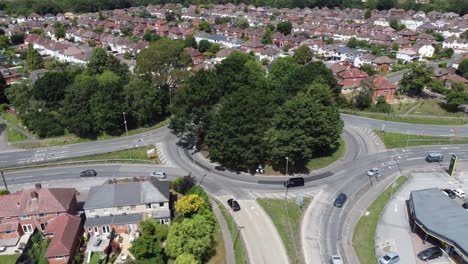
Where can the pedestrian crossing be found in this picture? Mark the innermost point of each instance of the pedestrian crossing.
(161, 156)
(379, 143)
(281, 195)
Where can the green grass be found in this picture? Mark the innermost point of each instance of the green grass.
(397, 140)
(13, 135)
(9, 259)
(403, 108)
(239, 248)
(410, 119)
(130, 154)
(95, 257)
(364, 233)
(276, 210)
(328, 158)
(433, 107)
(219, 254)
(12, 119)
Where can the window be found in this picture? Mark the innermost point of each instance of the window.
(132, 207)
(90, 229)
(24, 217)
(7, 217)
(161, 204)
(43, 226)
(7, 232)
(27, 228)
(42, 215)
(105, 229)
(58, 257)
(119, 208)
(148, 206)
(106, 210)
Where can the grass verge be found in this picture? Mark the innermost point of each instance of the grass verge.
(410, 119)
(276, 210)
(219, 254)
(364, 233)
(13, 135)
(397, 140)
(239, 247)
(9, 259)
(12, 119)
(129, 154)
(337, 151)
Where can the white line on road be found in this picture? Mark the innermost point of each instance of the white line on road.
(415, 158)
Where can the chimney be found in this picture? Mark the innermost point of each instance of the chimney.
(34, 195)
(38, 185)
(17, 204)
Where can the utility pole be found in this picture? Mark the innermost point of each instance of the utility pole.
(204, 175)
(126, 134)
(239, 228)
(4, 182)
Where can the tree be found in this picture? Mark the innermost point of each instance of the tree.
(463, 68)
(204, 26)
(3, 87)
(51, 88)
(204, 45)
(59, 30)
(4, 42)
(303, 54)
(382, 105)
(417, 78)
(386, 4)
(352, 43)
(464, 35)
(186, 258)
(368, 68)
(45, 124)
(101, 61)
(151, 228)
(148, 245)
(363, 100)
(17, 38)
(395, 47)
(190, 42)
(306, 124)
(267, 36)
(183, 184)
(189, 204)
(284, 27)
(4, 192)
(455, 99)
(33, 58)
(368, 14)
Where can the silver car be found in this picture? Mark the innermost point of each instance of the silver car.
(390, 258)
(158, 174)
(373, 172)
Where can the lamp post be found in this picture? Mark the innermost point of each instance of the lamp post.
(287, 163)
(238, 233)
(126, 132)
(4, 182)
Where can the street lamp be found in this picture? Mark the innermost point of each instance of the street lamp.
(287, 163)
(238, 233)
(126, 133)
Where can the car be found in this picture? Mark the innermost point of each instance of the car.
(97, 242)
(340, 200)
(465, 206)
(373, 172)
(294, 182)
(2, 249)
(449, 193)
(233, 204)
(335, 259)
(159, 174)
(88, 173)
(430, 253)
(389, 258)
(434, 157)
(459, 193)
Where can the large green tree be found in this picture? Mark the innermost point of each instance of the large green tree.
(33, 58)
(267, 36)
(284, 27)
(417, 78)
(101, 61)
(303, 54)
(463, 68)
(51, 88)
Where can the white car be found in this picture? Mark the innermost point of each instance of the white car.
(159, 174)
(460, 193)
(373, 172)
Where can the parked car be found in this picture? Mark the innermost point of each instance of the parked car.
(233, 204)
(434, 157)
(430, 253)
(389, 258)
(2, 249)
(335, 259)
(97, 242)
(158, 174)
(340, 200)
(294, 182)
(459, 193)
(373, 172)
(88, 173)
(465, 206)
(449, 193)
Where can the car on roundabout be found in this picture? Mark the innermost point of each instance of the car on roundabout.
(375, 172)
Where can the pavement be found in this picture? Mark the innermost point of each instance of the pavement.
(227, 238)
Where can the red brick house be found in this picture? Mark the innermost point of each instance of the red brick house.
(196, 55)
(380, 86)
(65, 232)
(34, 208)
(383, 63)
(351, 78)
(10, 232)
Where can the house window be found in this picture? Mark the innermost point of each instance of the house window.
(43, 226)
(106, 210)
(58, 257)
(24, 217)
(90, 229)
(385, 91)
(27, 228)
(132, 207)
(161, 204)
(42, 215)
(148, 206)
(8, 217)
(7, 232)
(119, 208)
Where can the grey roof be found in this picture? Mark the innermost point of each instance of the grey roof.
(441, 217)
(113, 220)
(125, 194)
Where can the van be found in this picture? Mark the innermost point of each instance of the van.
(434, 157)
(294, 182)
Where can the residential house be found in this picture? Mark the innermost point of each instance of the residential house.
(402, 43)
(380, 86)
(457, 44)
(407, 33)
(407, 55)
(34, 208)
(196, 55)
(449, 79)
(10, 233)
(122, 206)
(65, 232)
(383, 63)
(350, 79)
(367, 58)
(10, 75)
(424, 49)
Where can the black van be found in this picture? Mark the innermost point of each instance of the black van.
(294, 182)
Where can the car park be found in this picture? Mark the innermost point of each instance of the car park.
(373, 172)
(294, 182)
(390, 258)
(430, 253)
(340, 200)
(88, 173)
(459, 193)
(233, 204)
(449, 193)
(335, 259)
(158, 174)
(434, 157)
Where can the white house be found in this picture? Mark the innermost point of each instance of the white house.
(424, 49)
(407, 55)
(457, 44)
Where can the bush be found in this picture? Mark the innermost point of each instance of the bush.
(3, 107)
(182, 185)
(4, 192)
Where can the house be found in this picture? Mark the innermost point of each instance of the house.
(122, 206)
(457, 44)
(452, 78)
(10, 232)
(10, 76)
(196, 55)
(351, 79)
(380, 86)
(383, 63)
(34, 208)
(65, 232)
(424, 49)
(367, 58)
(407, 55)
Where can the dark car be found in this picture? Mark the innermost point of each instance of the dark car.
(465, 205)
(294, 182)
(340, 200)
(450, 193)
(233, 204)
(430, 253)
(97, 242)
(434, 157)
(88, 173)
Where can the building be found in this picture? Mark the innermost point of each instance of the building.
(33, 208)
(122, 206)
(407, 55)
(434, 214)
(65, 232)
(380, 86)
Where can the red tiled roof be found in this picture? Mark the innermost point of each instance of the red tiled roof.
(352, 74)
(35, 201)
(379, 82)
(65, 229)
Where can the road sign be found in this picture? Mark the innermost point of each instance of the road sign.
(299, 200)
(453, 164)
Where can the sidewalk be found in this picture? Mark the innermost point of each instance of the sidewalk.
(228, 246)
(19, 130)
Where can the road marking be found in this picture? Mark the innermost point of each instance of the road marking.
(415, 158)
(450, 148)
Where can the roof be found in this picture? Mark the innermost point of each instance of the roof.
(113, 220)
(352, 73)
(11, 227)
(439, 216)
(34, 201)
(132, 193)
(379, 82)
(65, 229)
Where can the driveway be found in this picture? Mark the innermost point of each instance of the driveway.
(262, 241)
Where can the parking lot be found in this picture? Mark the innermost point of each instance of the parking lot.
(393, 230)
